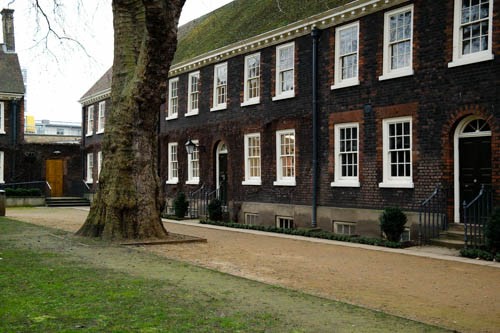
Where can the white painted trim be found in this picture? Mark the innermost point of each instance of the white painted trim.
(90, 168)
(388, 181)
(193, 180)
(338, 179)
(190, 110)
(90, 117)
(217, 165)
(10, 96)
(339, 82)
(2, 118)
(278, 94)
(2, 167)
(280, 179)
(387, 71)
(101, 124)
(254, 100)
(327, 19)
(456, 160)
(171, 179)
(458, 58)
(103, 94)
(251, 180)
(171, 115)
(219, 106)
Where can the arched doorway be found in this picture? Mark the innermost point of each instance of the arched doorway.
(221, 176)
(472, 160)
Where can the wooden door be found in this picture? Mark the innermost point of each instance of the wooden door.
(475, 166)
(54, 172)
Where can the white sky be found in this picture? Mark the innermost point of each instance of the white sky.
(58, 75)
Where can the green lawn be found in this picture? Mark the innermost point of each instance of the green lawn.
(51, 281)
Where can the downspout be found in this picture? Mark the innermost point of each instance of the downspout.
(13, 106)
(315, 34)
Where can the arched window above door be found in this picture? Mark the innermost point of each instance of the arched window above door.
(476, 127)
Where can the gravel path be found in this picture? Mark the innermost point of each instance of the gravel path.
(458, 295)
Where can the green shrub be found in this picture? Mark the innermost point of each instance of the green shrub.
(180, 205)
(492, 232)
(478, 254)
(215, 210)
(23, 192)
(392, 223)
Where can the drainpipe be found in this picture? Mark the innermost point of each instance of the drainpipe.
(13, 106)
(315, 34)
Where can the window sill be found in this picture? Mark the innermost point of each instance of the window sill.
(345, 84)
(171, 117)
(219, 107)
(193, 182)
(471, 59)
(345, 184)
(99, 132)
(396, 74)
(396, 184)
(191, 113)
(283, 96)
(3, 132)
(89, 181)
(251, 102)
(284, 183)
(172, 181)
(87, 134)
(252, 182)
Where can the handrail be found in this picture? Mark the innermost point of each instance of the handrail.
(432, 217)
(48, 186)
(475, 215)
(85, 183)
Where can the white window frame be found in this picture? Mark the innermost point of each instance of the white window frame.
(339, 227)
(246, 98)
(192, 180)
(101, 117)
(251, 218)
(389, 180)
(173, 100)
(460, 59)
(99, 164)
(171, 162)
(2, 118)
(286, 221)
(339, 180)
(90, 120)
(387, 71)
(252, 180)
(340, 82)
(279, 93)
(2, 167)
(216, 106)
(90, 168)
(193, 95)
(282, 180)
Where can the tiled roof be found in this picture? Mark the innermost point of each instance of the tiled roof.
(11, 77)
(242, 19)
(101, 85)
(236, 21)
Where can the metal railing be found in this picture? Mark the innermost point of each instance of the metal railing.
(201, 198)
(475, 216)
(432, 217)
(42, 185)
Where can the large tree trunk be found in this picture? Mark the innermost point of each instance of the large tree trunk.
(128, 202)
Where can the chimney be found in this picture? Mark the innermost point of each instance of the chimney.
(8, 29)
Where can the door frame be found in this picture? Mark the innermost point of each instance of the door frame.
(456, 159)
(221, 149)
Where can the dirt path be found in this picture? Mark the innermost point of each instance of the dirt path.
(456, 295)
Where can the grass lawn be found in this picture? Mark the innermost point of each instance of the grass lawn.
(51, 281)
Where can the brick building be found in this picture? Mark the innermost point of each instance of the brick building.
(322, 116)
(23, 162)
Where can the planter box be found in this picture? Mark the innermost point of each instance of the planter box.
(25, 201)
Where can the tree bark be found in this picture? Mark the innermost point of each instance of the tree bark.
(128, 202)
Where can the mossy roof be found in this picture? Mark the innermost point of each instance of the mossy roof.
(242, 19)
(11, 77)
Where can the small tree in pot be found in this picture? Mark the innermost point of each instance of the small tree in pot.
(392, 223)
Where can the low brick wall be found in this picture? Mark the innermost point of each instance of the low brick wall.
(25, 201)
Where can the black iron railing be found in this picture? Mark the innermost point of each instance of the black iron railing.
(475, 216)
(42, 185)
(432, 218)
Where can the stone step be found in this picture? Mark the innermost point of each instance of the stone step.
(448, 243)
(452, 234)
(67, 202)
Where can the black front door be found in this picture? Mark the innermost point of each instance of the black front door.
(475, 166)
(222, 193)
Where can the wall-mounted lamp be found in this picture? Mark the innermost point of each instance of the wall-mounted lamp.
(56, 152)
(368, 108)
(190, 145)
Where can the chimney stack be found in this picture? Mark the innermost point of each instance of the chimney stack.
(8, 29)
